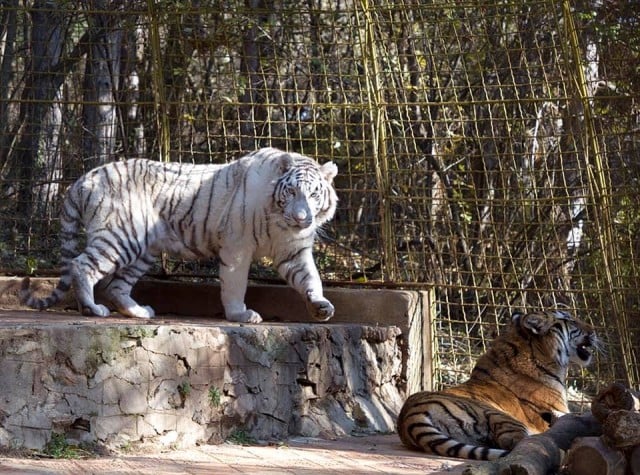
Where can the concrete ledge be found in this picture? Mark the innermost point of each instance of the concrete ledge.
(177, 380)
(181, 383)
(409, 310)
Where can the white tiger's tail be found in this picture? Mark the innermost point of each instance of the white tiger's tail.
(69, 232)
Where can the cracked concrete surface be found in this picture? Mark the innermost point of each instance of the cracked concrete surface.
(179, 382)
(189, 378)
(378, 454)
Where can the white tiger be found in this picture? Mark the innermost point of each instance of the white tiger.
(266, 204)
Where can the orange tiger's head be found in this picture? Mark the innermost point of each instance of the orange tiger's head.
(556, 335)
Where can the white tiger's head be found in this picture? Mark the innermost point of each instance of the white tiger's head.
(305, 193)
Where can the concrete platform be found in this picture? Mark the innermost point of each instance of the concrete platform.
(409, 310)
(177, 382)
(381, 454)
(143, 389)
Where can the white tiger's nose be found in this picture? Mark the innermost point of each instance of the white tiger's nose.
(303, 218)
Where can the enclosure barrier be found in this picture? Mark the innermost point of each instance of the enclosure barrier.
(487, 148)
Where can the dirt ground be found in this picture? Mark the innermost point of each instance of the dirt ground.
(300, 456)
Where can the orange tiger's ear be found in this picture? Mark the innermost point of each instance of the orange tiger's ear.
(535, 323)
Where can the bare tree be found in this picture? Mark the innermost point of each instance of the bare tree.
(253, 44)
(101, 83)
(8, 30)
(37, 162)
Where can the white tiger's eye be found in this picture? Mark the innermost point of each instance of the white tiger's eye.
(286, 194)
(316, 194)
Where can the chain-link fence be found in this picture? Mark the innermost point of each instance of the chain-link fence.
(489, 149)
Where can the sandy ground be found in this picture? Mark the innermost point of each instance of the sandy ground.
(300, 456)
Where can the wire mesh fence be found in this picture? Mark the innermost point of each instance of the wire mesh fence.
(487, 148)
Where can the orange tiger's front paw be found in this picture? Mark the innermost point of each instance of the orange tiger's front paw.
(508, 442)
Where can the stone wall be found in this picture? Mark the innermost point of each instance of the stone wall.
(180, 383)
(189, 376)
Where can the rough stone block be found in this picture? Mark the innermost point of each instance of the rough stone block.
(269, 382)
(116, 430)
(161, 422)
(184, 380)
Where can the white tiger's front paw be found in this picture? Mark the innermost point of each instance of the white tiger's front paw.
(138, 311)
(95, 310)
(320, 309)
(248, 316)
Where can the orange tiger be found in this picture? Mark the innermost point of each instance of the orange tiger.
(517, 388)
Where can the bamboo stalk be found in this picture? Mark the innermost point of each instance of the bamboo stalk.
(162, 113)
(377, 110)
(601, 189)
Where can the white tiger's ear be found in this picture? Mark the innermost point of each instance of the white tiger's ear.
(537, 323)
(286, 162)
(329, 170)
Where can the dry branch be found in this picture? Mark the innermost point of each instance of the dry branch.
(605, 442)
(541, 453)
(590, 455)
(616, 408)
(613, 398)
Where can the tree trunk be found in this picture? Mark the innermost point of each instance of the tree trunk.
(101, 81)
(590, 455)
(252, 47)
(8, 30)
(133, 135)
(542, 453)
(39, 116)
(634, 460)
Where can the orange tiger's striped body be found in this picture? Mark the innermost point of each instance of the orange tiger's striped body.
(516, 389)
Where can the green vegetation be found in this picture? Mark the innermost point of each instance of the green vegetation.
(138, 332)
(126, 448)
(184, 389)
(240, 437)
(31, 264)
(214, 396)
(59, 448)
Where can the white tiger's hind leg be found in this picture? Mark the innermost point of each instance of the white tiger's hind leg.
(84, 276)
(118, 289)
(109, 269)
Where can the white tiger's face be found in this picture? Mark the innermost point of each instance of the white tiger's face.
(305, 194)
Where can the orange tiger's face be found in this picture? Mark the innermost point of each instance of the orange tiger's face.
(557, 335)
